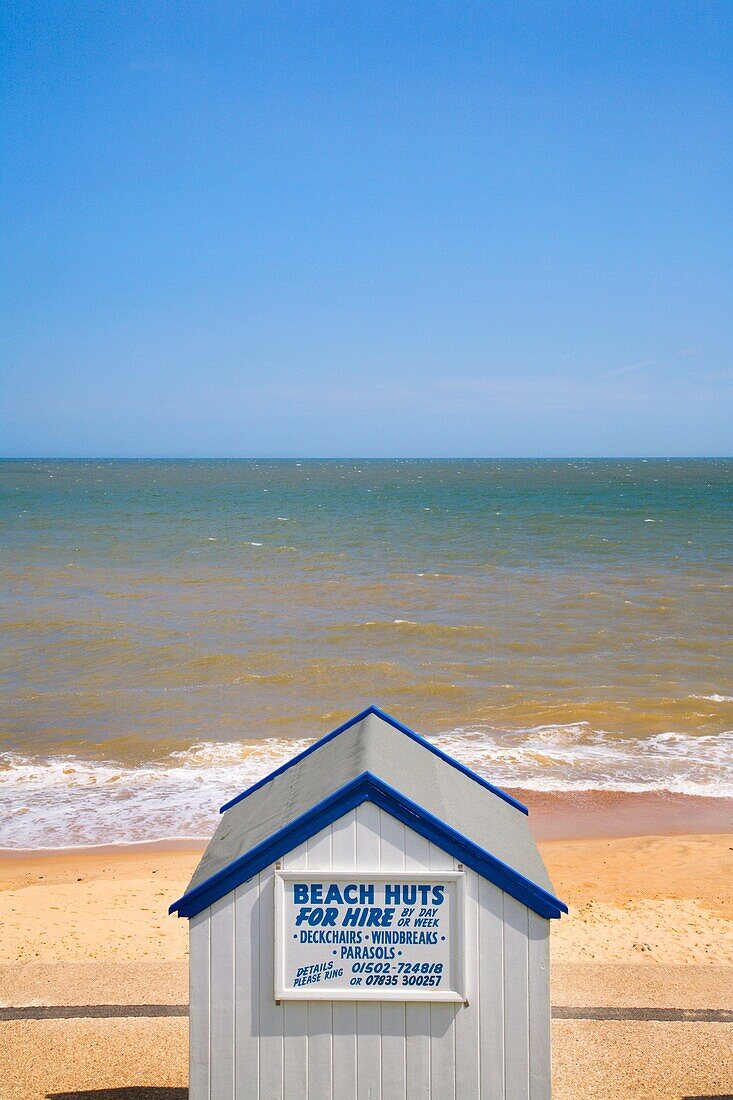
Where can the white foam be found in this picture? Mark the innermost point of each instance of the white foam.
(63, 801)
(574, 757)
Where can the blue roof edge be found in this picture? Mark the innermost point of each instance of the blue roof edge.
(368, 787)
(402, 729)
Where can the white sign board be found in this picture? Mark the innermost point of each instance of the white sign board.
(384, 936)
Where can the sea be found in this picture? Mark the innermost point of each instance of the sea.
(173, 630)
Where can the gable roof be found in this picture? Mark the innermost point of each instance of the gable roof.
(374, 758)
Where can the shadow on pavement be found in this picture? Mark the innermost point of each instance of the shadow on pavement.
(132, 1092)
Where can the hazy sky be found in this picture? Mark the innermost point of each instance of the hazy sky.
(358, 228)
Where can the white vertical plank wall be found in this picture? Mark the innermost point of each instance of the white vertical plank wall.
(296, 1037)
(244, 1046)
(539, 1023)
(198, 994)
(343, 854)
(320, 1013)
(368, 1013)
(417, 1015)
(392, 858)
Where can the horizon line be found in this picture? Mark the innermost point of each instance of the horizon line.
(371, 458)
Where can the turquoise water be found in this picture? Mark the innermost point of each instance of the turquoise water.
(170, 629)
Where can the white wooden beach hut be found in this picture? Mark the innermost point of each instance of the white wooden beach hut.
(370, 921)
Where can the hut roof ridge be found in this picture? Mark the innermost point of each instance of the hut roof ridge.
(395, 724)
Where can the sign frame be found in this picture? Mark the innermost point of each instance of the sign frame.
(457, 995)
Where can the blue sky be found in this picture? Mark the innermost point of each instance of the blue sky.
(367, 228)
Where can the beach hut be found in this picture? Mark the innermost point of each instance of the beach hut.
(370, 921)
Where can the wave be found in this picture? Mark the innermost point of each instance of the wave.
(424, 629)
(64, 801)
(575, 757)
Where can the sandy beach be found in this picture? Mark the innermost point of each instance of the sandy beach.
(642, 989)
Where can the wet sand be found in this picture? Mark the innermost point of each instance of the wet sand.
(584, 814)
